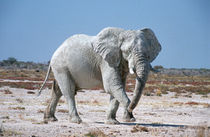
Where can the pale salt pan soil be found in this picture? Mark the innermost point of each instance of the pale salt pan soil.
(21, 114)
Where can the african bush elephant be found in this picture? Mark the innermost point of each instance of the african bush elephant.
(104, 60)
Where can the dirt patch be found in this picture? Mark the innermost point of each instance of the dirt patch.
(22, 115)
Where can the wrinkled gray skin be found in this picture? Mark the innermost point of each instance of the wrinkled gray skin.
(104, 60)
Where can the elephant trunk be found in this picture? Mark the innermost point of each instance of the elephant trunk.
(142, 68)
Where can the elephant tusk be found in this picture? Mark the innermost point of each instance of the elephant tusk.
(131, 71)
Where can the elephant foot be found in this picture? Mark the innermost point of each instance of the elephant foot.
(75, 119)
(128, 117)
(50, 118)
(112, 121)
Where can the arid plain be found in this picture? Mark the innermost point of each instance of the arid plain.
(171, 105)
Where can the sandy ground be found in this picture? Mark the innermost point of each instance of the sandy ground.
(21, 114)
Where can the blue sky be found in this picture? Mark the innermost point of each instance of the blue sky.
(31, 30)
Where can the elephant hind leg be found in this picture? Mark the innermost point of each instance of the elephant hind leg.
(49, 114)
(67, 86)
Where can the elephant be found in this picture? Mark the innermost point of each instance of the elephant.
(104, 60)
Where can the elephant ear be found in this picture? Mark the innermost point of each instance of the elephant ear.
(107, 45)
(151, 44)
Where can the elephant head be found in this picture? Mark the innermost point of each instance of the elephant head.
(139, 48)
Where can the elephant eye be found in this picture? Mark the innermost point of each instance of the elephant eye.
(129, 50)
(148, 57)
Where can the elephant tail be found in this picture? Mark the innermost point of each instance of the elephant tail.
(47, 76)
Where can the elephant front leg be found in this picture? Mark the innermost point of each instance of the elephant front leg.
(111, 113)
(128, 116)
(121, 96)
(113, 84)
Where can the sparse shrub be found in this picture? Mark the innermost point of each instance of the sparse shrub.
(158, 67)
(10, 60)
(10, 133)
(188, 96)
(176, 95)
(158, 92)
(178, 103)
(202, 131)
(164, 92)
(146, 93)
(95, 102)
(5, 117)
(61, 101)
(149, 90)
(206, 105)
(163, 89)
(17, 108)
(96, 133)
(192, 103)
(40, 111)
(86, 102)
(205, 96)
(19, 100)
(30, 92)
(63, 110)
(138, 128)
(83, 102)
(7, 91)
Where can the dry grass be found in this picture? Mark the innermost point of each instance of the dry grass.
(63, 110)
(83, 102)
(158, 92)
(201, 131)
(23, 74)
(138, 128)
(92, 103)
(96, 133)
(10, 133)
(97, 110)
(61, 101)
(178, 103)
(162, 82)
(192, 103)
(17, 108)
(19, 100)
(178, 84)
(40, 111)
(31, 75)
(25, 85)
(6, 91)
(200, 90)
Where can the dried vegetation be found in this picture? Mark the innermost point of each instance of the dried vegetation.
(96, 133)
(157, 84)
